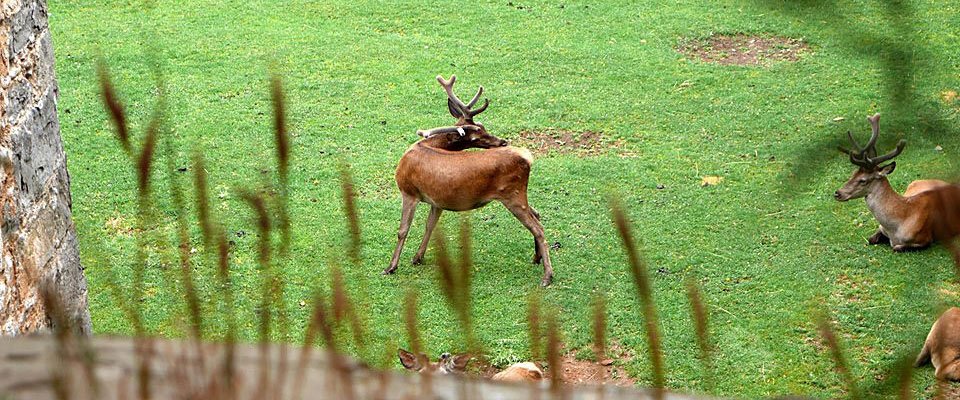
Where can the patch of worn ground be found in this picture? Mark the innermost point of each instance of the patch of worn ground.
(743, 49)
(561, 141)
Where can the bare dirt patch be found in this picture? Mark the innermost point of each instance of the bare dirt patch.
(744, 49)
(580, 372)
(560, 141)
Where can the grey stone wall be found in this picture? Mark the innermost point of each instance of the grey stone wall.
(38, 243)
(35, 368)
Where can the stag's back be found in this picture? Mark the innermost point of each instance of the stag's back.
(463, 180)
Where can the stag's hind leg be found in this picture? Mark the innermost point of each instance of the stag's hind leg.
(431, 222)
(537, 256)
(878, 238)
(406, 218)
(524, 213)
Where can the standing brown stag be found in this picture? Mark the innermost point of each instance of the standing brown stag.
(928, 210)
(434, 170)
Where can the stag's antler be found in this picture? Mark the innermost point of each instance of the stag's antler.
(445, 129)
(455, 103)
(866, 156)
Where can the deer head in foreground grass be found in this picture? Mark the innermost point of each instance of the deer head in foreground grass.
(435, 171)
(446, 364)
(928, 210)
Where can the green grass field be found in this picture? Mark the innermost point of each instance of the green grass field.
(768, 245)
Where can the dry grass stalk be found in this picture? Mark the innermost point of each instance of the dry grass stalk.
(282, 141)
(534, 323)
(145, 159)
(454, 280)
(319, 323)
(203, 201)
(114, 107)
(904, 378)
(142, 163)
(262, 220)
(183, 237)
(413, 335)
(701, 321)
(553, 355)
(642, 285)
(599, 336)
(836, 352)
(350, 209)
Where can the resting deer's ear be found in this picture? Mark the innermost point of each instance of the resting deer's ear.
(459, 362)
(887, 169)
(409, 360)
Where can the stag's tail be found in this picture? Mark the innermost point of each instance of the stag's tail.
(924, 357)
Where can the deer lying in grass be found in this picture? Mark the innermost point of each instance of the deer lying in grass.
(447, 363)
(435, 171)
(942, 347)
(928, 210)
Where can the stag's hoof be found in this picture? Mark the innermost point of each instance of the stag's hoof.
(547, 280)
(900, 248)
(389, 271)
(416, 261)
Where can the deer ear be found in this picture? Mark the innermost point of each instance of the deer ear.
(454, 110)
(409, 360)
(888, 169)
(459, 362)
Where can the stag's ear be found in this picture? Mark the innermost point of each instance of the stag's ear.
(454, 110)
(459, 362)
(887, 169)
(409, 360)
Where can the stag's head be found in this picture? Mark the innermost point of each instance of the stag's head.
(869, 171)
(463, 137)
(446, 364)
(466, 133)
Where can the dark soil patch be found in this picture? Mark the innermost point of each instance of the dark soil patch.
(744, 49)
(586, 143)
(582, 372)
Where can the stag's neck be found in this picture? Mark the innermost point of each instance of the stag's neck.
(443, 142)
(887, 206)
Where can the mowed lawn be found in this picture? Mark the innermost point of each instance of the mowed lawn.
(768, 245)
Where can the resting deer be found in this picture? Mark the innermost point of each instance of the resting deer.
(928, 210)
(435, 171)
(942, 347)
(447, 364)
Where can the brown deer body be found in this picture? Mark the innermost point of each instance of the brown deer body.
(942, 347)
(520, 372)
(928, 210)
(435, 171)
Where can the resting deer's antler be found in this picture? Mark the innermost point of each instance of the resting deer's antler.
(866, 156)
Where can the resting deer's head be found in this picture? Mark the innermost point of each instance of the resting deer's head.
(466, 133)
(446, 364)
(870, 172)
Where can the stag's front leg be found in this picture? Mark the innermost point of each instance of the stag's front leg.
(522, 211)
(406, 218)
(431, 222)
